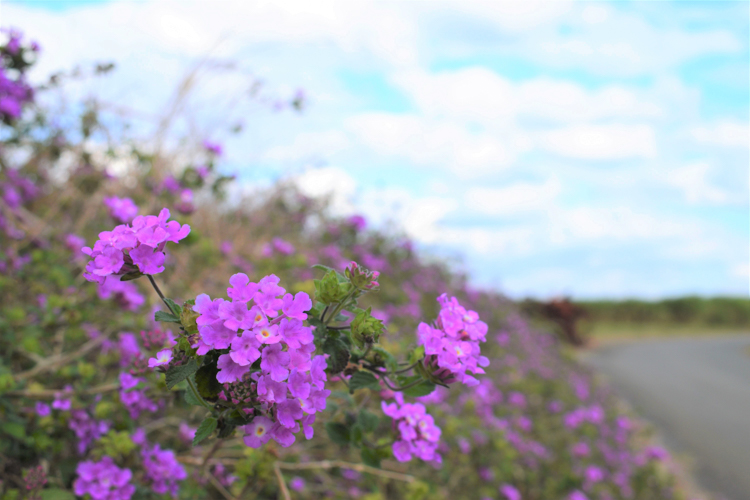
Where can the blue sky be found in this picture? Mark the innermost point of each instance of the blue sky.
(587, 148)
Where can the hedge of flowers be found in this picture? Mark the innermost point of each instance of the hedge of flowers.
(143, 357)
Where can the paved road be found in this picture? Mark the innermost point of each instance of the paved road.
(697, 393)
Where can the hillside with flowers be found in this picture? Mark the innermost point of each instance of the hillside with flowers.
(159, 339)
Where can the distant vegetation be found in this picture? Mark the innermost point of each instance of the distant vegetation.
(695, 311)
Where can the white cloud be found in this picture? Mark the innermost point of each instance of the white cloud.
(478, 93)
(309, 145)
(601, 142)
(435, 142)
(724, 133)
(329, 182)
(514, 199)
(692, 181)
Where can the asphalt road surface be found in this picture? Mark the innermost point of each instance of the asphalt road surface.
(697, 393)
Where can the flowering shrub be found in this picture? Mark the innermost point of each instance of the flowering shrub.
(108, 390)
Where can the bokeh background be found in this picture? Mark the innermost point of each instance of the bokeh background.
(591, 149)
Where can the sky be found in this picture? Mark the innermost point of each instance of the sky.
(591, 149)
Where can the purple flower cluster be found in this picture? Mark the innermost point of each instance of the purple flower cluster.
(452, 345)
(139, 247)
(103, 480)
(86, 428)
(124, 292)
(122, 209)
(162, 469)
(134, 400)
(418, 434)
(14, 91)
(289, 381)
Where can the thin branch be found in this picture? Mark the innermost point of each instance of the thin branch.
(53, 362)
(225, 493)
(161, 295)
(282, 483)
(330, 464)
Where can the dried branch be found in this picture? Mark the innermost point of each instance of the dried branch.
(330, 464)
(282, 483)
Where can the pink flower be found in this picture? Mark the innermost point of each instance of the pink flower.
(229, 371)
(257, 432)
(162, 358)
(295, 307)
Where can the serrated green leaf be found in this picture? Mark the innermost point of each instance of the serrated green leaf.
(321, 267)
(368, 420)
(338, 355)
(176, 310)
(363, 380)
(338, 433)
(166, 317)
(207, 427)
(177, 374)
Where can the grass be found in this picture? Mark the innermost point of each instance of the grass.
(612, 331)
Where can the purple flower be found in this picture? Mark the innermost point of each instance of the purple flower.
(274, 361)
(295, 307)
(268, 334)
(62, 404)
(235, 315)
(229, 371)
(245, 349)
(282, 246)
(419, 436)
(148, 259)
(122, 209)
(288, 412)
(212, 147)
(162, 470)
(257, 432)
(242, 289)
(577, 495)
(103, 480)
(294, 333)
(208, 309)
(307, 428)
(297, 483)
(271, 391)
(86, 429)
(123, 292)
(162, 358)
(42, 409)
(298, 384)
(267, 296)
(510, 492)
(217, 335)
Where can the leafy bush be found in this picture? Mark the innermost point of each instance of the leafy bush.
(109, 389)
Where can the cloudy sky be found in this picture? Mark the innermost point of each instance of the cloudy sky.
(589, 148)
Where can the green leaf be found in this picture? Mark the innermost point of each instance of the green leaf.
(417, 354)
(131, 276)
(371, 457)
(166, 317)
(191, 399)
(177, 374)
(207, 427)
(226, 429)
(14, 429)
(385, 357)
(356, 434)
(368, 420)
(338, 355)
(363, 380)
(176, 310)
(57, 494)
(419, 390)
(205, 380)
(338, 433)
(321, 267)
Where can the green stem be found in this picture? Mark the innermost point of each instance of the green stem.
(161, 295)
(197, 394)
